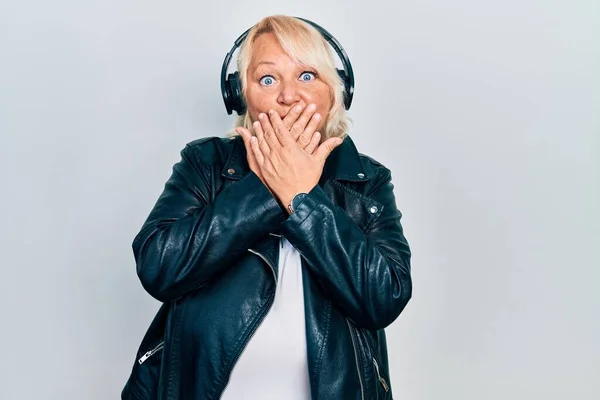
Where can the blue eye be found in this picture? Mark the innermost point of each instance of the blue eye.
(307, 76)
(266, 80)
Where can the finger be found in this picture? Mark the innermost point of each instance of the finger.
(246, 135)
(300, 125)
(313, 144)
(293, 115)
(326, 148)
(269, 132)
(283, 135)
(260, 136)
(257, 130)
(305, 137)
(260, 159)
(242, 133)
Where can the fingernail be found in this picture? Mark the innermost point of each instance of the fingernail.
(312, 107)
(317, 116)
(298, 108)
(261, 115)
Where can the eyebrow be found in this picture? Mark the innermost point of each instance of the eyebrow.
(266, 62)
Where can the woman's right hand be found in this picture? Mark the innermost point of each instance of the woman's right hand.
(302, 127)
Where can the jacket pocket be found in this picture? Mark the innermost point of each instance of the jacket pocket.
(357, 358)
(380, 377)
(143, 382)
(374, 377)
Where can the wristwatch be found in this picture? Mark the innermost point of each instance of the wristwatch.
(296, 200)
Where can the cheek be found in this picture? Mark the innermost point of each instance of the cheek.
(252, 106)
(323, 98)
(323, 104)
(257, 103)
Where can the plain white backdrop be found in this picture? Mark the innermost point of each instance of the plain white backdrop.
(487, 113)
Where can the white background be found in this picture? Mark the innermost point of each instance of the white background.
(487, 113)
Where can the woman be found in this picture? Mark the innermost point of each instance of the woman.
(278, 252)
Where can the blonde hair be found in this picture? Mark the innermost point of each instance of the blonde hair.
(305, 45)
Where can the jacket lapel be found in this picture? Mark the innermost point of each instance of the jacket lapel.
(343, 164)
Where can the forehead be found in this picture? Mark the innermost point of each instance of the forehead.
(266, 48)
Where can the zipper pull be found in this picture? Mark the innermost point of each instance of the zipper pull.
(145, 357)
(384, 384)
(381, 379)
(150, 353)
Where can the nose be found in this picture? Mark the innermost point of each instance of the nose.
(289, 93)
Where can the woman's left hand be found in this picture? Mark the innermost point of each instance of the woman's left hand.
(287, 168)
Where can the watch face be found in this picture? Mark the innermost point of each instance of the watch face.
(298, 199)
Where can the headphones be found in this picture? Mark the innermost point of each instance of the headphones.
(231, 86)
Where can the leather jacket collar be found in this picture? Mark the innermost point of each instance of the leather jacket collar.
(343, 163)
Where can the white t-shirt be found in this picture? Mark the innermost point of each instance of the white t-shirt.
(274, 363)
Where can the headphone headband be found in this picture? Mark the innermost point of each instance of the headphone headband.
(231, 87)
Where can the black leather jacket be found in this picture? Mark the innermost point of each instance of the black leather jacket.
(209, 252)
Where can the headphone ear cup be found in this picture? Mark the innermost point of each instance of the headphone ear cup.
(236, 100)
(226, 92)
(347, 88)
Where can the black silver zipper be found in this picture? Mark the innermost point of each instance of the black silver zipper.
(265, 260)
(381, 379)
(362, 388)
(150, 353)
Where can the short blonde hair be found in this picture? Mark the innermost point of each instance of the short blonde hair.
(305, 45)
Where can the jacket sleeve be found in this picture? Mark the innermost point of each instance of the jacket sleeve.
(366, 274)
(188, 239)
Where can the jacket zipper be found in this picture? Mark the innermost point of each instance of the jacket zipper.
(362, 389)
(265, 260)
(381, 379)
(150, 353)
(271, 301)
